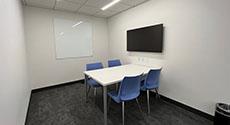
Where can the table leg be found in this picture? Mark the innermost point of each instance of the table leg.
(148, 101)
(105, 104)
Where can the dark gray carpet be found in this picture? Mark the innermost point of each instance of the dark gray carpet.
(66, 105)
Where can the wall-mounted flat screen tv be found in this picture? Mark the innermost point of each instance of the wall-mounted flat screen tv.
(146, 39)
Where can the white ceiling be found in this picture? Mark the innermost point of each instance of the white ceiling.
(89, 7)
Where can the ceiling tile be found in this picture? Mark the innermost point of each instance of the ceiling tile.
(133, 2)
(41, 3)
(67, 6)
(77, 1)
(119, 7)
(97, 3)
(88, 10)
(107, 13)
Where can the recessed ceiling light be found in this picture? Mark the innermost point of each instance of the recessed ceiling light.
(110, 4)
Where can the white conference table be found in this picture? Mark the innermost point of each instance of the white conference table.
(112, 75)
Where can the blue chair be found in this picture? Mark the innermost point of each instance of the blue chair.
(92, 83)
(129, 90)
(115, 62)
(151, 82)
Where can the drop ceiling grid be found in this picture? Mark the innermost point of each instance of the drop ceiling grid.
(89, 7)
(67, 6)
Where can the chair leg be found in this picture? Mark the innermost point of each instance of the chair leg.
(109, 101)
(139, 106)
(95, 94)
(116, 86)
(86, 88)
(123, 113)
(87, 93)
(157, 94)
(148, 101)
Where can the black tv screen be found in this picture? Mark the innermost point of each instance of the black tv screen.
(146, 39)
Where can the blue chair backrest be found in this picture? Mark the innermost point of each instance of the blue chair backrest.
(152, 79)
(130, 88)
(115, 62)
(93, 66)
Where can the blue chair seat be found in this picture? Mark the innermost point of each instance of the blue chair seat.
(144, 87)
(114, 96)
(93, 83)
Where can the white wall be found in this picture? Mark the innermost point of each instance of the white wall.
(44, 68)
(14, 88)
(196, 57)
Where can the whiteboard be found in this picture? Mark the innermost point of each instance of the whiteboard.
(72, 38)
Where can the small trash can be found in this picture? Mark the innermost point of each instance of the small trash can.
(222, 114)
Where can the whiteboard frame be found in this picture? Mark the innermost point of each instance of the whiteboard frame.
(54, 39)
